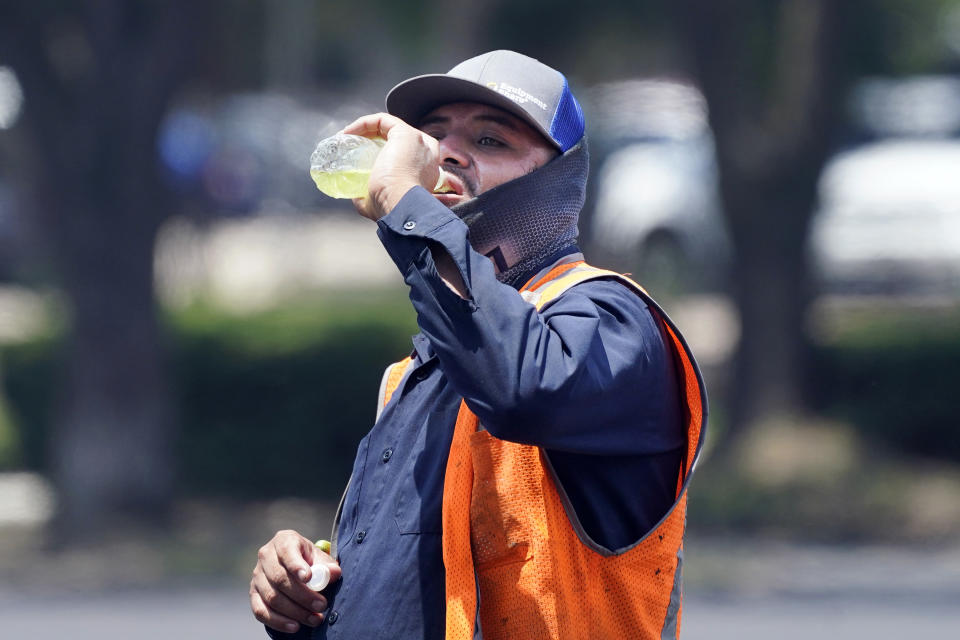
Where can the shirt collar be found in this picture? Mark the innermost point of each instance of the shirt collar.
(422, 348)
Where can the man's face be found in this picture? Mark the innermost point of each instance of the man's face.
(483, 147)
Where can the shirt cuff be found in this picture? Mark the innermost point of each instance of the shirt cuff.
(417, 219)
(301, 634)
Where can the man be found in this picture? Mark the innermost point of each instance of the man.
(526, 474)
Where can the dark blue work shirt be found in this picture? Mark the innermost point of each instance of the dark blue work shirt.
(589, 380)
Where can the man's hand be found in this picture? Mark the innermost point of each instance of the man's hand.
(279, 596)
(409, 158)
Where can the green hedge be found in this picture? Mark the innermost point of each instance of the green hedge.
(893, 374)
(268, 405)
(275, 404)
(28, 379)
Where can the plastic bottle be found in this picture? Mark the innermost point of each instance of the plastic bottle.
(320, 577)
(340, 165)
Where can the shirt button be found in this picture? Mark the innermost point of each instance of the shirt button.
(409, 225)
(420, 375)
(385, 456)
(332, 617)
(360, 536)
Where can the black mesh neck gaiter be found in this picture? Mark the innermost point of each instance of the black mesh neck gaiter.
(521, 223)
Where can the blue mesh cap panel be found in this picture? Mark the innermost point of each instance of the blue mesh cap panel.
(567, 126)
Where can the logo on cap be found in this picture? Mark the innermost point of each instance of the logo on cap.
(516, 94)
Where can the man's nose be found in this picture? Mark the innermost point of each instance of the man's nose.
(452, 152)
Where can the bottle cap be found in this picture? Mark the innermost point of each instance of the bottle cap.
(321, 576)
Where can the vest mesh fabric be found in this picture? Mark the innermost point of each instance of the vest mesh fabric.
(506, 531)
(457, 559)
(536, 577)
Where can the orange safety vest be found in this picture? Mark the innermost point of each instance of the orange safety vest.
(510, 533)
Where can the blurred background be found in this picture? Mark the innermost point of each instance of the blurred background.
(191, 335)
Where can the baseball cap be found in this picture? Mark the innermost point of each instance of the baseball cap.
(522, 85)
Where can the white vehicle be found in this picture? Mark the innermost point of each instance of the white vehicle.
(658, 213)
(888, 218)
(657, 210)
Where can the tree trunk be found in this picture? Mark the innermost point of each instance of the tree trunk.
(771, 291)
(112, 445)
(773, 84)
(97, 78)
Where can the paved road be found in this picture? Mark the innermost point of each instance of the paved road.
(221, 613)
(842, 618)
(734, 592)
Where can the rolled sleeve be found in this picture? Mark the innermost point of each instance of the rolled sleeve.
(587, 375)
(418, 220)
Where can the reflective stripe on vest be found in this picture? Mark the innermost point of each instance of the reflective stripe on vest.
(391, 379)
(509, 531)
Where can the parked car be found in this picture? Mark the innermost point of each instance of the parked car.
(656, 210)
(658, 213)
(888, 218)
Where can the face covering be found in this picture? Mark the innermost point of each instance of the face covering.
(521, 223)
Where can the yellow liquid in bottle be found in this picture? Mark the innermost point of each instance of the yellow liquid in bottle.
(342, 184)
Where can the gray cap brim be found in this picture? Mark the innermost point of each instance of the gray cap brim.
(412, 99)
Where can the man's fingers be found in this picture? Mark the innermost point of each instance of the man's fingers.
(373, 125)
(409, 158)
(277, 620)
(285, 567)
(294, 553)
(365, 208)
(279, 597)
(291, 587)
(277, 600)
(270, 618)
